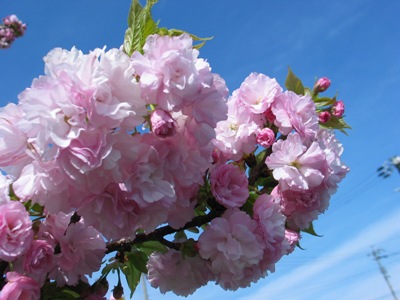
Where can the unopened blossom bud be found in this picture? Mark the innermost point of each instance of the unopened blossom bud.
(118, 291)
(162, 123)
(338, 109)
(324, 117)
(322, 85)
(266, 137)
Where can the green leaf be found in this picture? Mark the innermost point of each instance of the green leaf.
(293, 83)
(178, 32)
(180, 235)
(324, 101)
(336, 123)
(188, 248)
(132, 275)
(140, 26)
(12, 194)
(262, 181)
(139, 260)
(110, 267)
(248, 206)
(37, 208)
(260, 157)
(152, 246)
(310, 230)
(193, 229)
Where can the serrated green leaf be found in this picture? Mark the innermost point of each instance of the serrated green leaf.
(310, 230)
(293, 83)
(140, 26)
(152, 246)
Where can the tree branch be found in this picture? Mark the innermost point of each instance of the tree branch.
(158, 234)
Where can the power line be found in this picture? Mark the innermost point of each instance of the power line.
(378, 257)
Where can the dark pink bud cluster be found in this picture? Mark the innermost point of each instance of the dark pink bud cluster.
(11, 29)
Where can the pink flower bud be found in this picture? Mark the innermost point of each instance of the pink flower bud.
(266, 137)
(338, 109)
(324, 116)
(162, 123)
(322, 84)
(118, 291)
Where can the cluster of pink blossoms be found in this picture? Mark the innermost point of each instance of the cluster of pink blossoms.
(105, 146)
(11, 29)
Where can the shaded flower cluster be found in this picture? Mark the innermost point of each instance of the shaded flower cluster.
(11, 29)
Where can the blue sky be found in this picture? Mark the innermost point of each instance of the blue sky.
(354, 43)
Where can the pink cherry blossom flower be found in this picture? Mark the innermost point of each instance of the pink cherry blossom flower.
(232, 244)
(13, 142)
(294, 112)
(111, 212)
(301, 208)
(53, 227)
(20, 287)
(236, 135)
(229, 185)
(81, 252)
(295, 165)
(266, 137)
(322, 84)
(338, 109)
(333, 150)
(162, 123)
(180, 274)
(15, 230)
(147, 183)
(39, 260)
(271, 224)
(169, 70)
(257, 92)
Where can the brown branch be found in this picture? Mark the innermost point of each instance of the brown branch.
(159, 234)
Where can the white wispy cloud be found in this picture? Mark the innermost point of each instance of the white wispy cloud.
(298, 284)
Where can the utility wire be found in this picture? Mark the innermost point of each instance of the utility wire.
(377, 257)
